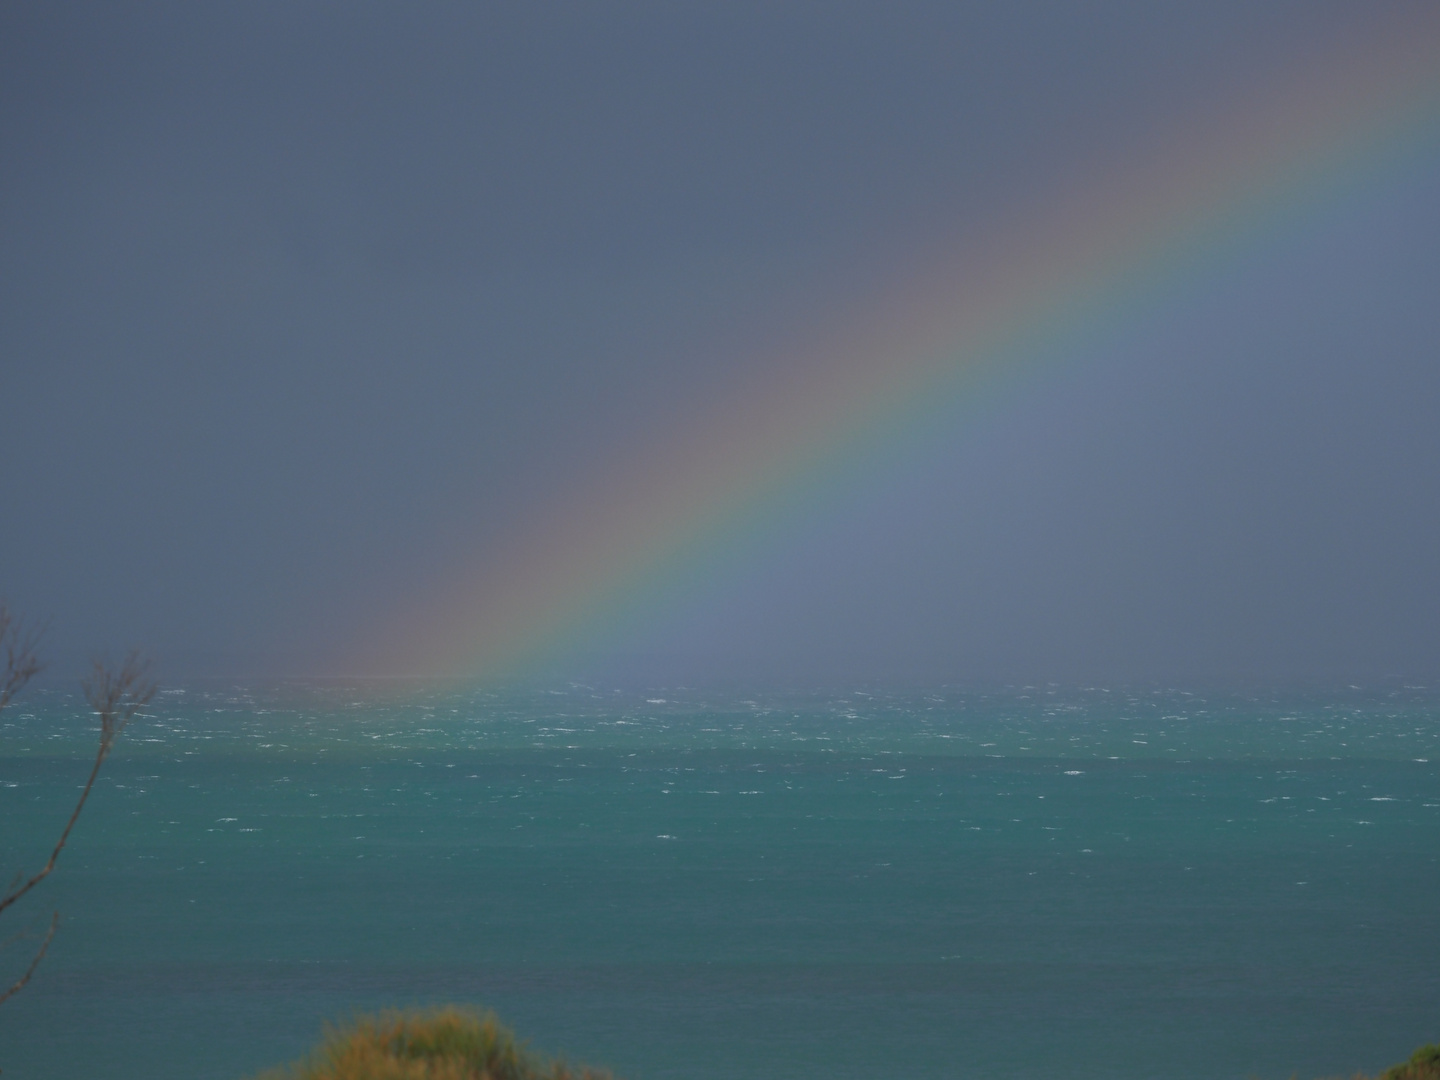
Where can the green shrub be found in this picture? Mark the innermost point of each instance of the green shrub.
(432, 1044)
(1424, 1064)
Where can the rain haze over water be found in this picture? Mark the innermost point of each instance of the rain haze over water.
(306, 308)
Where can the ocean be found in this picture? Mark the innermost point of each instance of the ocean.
(696, 883)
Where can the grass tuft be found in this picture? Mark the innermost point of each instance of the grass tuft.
(1424, 1064)
(450, 1043)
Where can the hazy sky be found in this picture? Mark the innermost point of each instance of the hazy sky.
(302, 303)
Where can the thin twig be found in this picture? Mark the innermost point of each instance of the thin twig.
(117, 697)
(35, 963)
(18, 642)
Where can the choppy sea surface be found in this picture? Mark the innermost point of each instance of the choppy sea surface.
(677, 883)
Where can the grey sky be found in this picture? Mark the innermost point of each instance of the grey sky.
(300, 302)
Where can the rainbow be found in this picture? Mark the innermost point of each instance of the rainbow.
(1111, 242)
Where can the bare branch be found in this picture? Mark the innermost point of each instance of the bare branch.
(116, 696)
(35, 963)
(17, 644)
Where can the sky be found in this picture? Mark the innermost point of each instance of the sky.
(316, 317)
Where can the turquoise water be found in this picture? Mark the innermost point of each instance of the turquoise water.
(678, 883)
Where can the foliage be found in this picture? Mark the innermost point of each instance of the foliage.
(1424, 1064)
(448, 1043)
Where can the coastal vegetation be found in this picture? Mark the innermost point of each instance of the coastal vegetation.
(458, 1043)
(1424, 1064)
(449, 1043)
